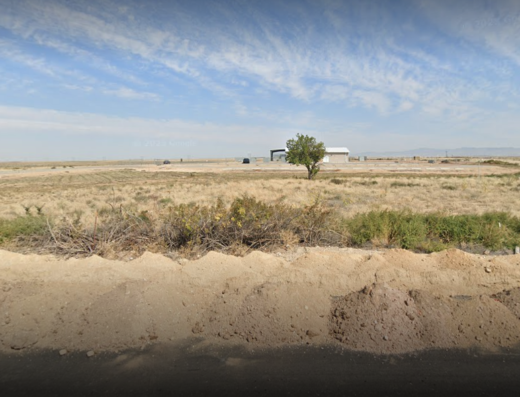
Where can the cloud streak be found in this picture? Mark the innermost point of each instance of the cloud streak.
(286, 60)
(456, 64)
(42, 121)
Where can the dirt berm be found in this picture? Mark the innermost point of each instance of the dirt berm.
(380, 302)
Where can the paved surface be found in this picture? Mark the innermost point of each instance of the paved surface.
(306, 371)
(376, 167)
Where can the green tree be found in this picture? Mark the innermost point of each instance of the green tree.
(304, 150)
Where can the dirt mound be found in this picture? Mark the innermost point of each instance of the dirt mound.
(382, 302)
(510, 299)
(379, 319)
(386, 320)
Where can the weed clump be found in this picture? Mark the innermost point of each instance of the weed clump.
(248, 224)
(434, 232)
(366, 183)
(448, 187)
(114, 230)
(500, 163)
(23, 228)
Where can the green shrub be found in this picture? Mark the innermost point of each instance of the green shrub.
(247, 223)
(22, 226)
(432, 232)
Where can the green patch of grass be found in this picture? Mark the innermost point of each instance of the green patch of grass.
(165, 201)
(428, 232)
(22, 226)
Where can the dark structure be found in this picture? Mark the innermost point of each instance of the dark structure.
(273, 151)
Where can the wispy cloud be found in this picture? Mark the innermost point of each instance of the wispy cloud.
(282, 58)
(70, 79)
(87, 57)
(34, 121)
(494, 27)
(9, 52)
(456, 63)
(128, 93)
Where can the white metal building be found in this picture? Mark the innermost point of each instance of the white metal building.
(336, 155)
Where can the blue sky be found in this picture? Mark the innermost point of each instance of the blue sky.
(224, 78)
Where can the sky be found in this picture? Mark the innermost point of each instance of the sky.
(130, 79)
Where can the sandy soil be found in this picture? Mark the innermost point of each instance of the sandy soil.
(375, 167)
(379, 302)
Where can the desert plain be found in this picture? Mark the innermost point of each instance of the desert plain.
(235, 308)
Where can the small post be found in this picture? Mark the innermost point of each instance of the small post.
(94, 243)
(517, 250)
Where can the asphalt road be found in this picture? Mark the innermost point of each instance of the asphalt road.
(186, 370)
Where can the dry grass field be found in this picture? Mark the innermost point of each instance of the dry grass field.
(73, 193)
(197, 204)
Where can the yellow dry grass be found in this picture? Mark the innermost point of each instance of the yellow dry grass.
(79, 195)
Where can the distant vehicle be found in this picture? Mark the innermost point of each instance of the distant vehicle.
(166, 162)
(245, 161)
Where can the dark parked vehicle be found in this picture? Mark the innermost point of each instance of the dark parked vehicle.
(166, 162)
(245, 161)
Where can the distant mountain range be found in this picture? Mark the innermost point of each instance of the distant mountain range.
(460, 152)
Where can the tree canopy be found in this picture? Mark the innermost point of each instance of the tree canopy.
(304, 150)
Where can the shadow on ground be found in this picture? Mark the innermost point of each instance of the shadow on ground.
(196, 369)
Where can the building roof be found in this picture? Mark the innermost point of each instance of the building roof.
(329, 150)
(336, 150)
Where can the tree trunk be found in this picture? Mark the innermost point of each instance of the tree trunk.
(310, 174)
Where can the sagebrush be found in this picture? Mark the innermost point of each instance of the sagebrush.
(248, 224)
